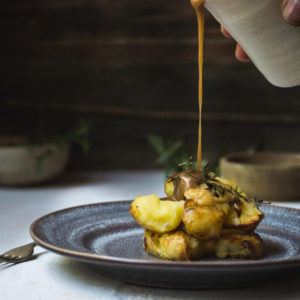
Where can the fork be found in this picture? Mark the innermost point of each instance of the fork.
(18, 254)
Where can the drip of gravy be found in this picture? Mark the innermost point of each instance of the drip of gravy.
(199, 8)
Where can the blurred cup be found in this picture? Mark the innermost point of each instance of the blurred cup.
(25, 164)
(271, 43)
(266, 175)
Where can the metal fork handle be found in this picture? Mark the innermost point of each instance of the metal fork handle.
(3, 259)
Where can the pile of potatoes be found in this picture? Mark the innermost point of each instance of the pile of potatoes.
(208, 217)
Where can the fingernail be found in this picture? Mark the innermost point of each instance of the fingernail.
(225, 32)
(240, 54)
(291, 12)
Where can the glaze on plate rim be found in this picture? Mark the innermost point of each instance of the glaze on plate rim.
(110, 259)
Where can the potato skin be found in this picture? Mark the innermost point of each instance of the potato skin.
(214, 218)
(180, 246)
(176, 246)
(203, 222)
(203, 196)
(245, 246)
(179, 183)
(241, 214)
(155, 214)
(172, 246)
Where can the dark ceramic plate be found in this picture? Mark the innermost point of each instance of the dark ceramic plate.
(107, 237)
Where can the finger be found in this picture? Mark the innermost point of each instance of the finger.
(291, 11)
(240, 54)
(225, 32)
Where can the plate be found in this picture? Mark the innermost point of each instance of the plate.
(106, 236)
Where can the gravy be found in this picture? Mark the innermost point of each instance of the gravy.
(199, 8)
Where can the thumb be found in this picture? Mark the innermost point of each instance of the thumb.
(291, 11)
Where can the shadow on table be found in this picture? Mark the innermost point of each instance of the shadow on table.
(83, 274)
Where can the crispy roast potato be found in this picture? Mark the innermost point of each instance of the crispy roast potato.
(241, 216)
(157, 215)
(240, 246)
(180, 246)
(179, 183)
(204, 196)
(244, 215)
(176, 245)
(204, 222)
(201, 217)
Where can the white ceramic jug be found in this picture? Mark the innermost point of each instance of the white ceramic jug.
(271, 43)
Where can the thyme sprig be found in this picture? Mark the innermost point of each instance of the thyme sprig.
(188, 165)
(214, 185)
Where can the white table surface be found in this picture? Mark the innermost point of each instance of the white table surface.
(51, 276)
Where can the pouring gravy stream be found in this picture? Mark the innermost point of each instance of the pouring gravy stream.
(199, 8)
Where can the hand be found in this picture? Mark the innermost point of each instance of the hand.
(291, 14)
(291, 11)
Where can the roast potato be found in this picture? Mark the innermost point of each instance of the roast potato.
(176, 245)
(155, 214)
(242, 215)
(239, 246)
(203, 195)
(201, 217)
(204, 222)
(179, 183)
(181, 246)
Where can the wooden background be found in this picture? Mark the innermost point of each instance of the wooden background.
(130, 67)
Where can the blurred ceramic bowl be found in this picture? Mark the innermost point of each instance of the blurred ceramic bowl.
(30, 164)
(267, 176)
